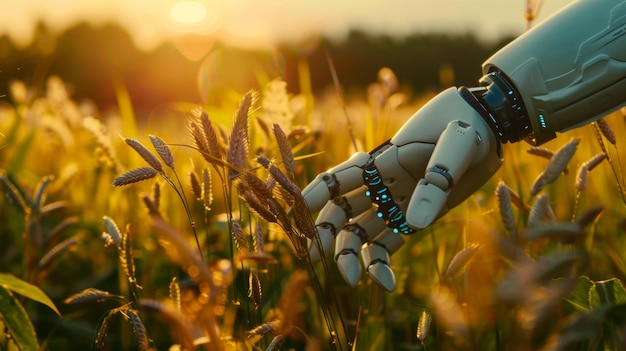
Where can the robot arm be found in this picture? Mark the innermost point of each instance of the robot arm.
(566, 72)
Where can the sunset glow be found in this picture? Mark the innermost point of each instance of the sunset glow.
(188, 12)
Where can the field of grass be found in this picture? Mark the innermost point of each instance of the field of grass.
(176, 233)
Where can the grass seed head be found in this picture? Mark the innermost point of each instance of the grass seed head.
(606, 130)
(148, 156)
(135, 176)
(163, 150)
(557, 164)
(506, 210)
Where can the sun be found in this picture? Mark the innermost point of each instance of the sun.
(188, 12)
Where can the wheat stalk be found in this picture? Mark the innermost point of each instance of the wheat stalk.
(214, 144)
(125, 255)
(556, 165)
(423, 326)
(113, 229)
(254, 288)
(196, 188)
(134, 176)
(265, 328)
(461, 260)
(91, 295)
(606, 130)
(589, 216)
(16, 197)
(506, 210)
(174, 289)
(237, 153)
(207, 189)
(138, 327)
(240, 240)
(285, 149)
(55, 252)
(258, 239)
(103, 330)
(163, 150)
(594, 161)
(581, 178)
(147, 156)
(39, 196)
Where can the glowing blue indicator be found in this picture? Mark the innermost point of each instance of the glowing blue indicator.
(542, 120)
(380, 195)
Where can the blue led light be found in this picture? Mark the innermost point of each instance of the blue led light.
(380, 195)
(542, 120)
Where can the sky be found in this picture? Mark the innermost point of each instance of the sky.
(261, 22)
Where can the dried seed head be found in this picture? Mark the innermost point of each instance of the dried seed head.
(207, 189)
(125, 255)
(265, 328)
(138, 328)
(175, 293)
(581, 178)
(237, 154)
(556, 165)
(594, 161)
(567, 232)
(240, 239)
(461, 260)
(163, 150)
(11, 191)
(258, 239)
(148, 156)
(200, 141)
(540, 151)
(90, 295)
(134, 176)
(285, 150)
(606, 130)
(254, 288)
(55, 252)
(213, 142)
(103, 330)
(538, 211)
(112, 229)
(589, 216)
(195, 185)
(506, 210)
(423, 326)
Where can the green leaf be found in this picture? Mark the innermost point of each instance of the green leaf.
(10, 282)
(607, 292)
(579, 297)
(17, 322)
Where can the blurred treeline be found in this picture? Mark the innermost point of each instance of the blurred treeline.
(95, 60)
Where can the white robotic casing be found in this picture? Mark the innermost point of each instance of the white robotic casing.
(571, 69)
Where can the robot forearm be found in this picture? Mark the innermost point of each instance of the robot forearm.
(568, 71)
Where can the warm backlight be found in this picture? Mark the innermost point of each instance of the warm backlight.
(188, 12)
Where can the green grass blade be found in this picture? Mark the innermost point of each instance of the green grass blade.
(10, 282)
(17, 322)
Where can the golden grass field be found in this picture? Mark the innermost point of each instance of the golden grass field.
(196, 249)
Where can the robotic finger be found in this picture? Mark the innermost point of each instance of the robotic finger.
(375, 257)
(337, 181)
(348, 243)
(334, 216)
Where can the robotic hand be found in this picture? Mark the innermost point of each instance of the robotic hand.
(567, 72)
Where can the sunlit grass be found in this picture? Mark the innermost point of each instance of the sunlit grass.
(488, 276)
